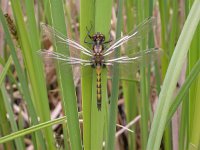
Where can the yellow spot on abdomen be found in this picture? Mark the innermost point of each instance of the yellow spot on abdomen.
(98, 72)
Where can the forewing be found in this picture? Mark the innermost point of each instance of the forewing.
(50, 54)
(56, 37)
(130, 43)
(76, 50)
(76, 64)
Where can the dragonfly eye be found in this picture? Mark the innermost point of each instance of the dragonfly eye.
(94, 38)
(102, 37)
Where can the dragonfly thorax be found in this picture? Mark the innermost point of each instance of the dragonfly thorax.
(97, 59)
(98, 48)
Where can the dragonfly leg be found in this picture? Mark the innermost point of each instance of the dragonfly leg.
(110, 40)
(88, 35)
(107, 42)
(89, 30)
(85, 41)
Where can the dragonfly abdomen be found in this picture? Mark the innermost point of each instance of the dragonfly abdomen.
(99, 96)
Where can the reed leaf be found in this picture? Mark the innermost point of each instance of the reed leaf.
(65, 77)
(172, 75)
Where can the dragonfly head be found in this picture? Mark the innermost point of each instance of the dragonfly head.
(98, 38)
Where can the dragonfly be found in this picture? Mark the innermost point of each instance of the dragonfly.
(103, 52)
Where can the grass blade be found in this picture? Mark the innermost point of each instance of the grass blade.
(18, 141)
(65, 76)
(189, 80)
(32, 129)
(194, 129)
(102, 24)
(5, 124)
(4, 72)
(21, 75)
(115, 88)
(130, 88)
(172, 76)
(34, 68)
(87, 9)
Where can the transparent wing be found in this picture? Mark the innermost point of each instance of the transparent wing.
(77, 64)
(50, 54)
(129, 67)
(129, 44)
(57, 37)
(75, 50)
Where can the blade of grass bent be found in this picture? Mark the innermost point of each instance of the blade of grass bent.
(171, 36)
(65, 77)
(172, 76)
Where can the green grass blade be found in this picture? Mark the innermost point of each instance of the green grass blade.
(11, 76)
(184, 124)
(34, 68)
(194, 129)
(87, 9)
(5, 124)
(32, 129)
(184, 89)
(194, 137)
(18, 141)
(65, 77)
(102, 24)
(5, 70)
(163, 9)
(21, 75)
(145, 78)
(110, 145)
(130, 88)
(172, 75)
(194, 95)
